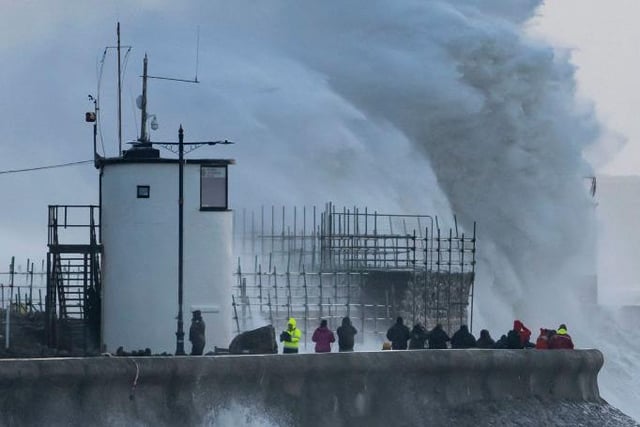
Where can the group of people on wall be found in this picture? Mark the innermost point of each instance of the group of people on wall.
(519, 337)
(402, 338)
(323, 337)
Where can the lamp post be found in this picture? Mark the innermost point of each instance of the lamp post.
(180, 331)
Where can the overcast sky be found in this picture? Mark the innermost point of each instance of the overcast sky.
(603, 39)
(50, 51)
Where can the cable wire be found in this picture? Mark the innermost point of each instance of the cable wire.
(98, 112)
(62, 165)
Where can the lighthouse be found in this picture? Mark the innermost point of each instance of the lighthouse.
(140, 235)
(166, 230)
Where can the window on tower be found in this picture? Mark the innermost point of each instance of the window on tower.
(144, 191)
(213, 188)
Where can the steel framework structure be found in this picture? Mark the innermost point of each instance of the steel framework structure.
(328, 264)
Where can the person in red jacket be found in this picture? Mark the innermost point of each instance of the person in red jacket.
(323, 337)
(542, 343)
(523, 332)
(561, 340)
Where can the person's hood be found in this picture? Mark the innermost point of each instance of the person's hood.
(561, 331)
(517, 325)
(464, 329)
(346, 321)
(292, 322)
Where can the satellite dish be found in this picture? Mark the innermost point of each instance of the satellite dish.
(139, 102)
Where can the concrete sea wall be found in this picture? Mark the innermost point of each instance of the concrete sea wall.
(391, 388)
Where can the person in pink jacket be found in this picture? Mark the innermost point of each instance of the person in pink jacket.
(323, 337)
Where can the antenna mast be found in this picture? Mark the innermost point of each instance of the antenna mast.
(143, 107)
(197, 54)
(119, 97)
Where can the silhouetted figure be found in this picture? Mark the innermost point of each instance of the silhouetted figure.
(485, 340)
(463, 338)
(398, 334)
(502, 343)
(196, 334)
(346, 335)
(438, 338)
(323, 337)
(561, 340)
(419, 336)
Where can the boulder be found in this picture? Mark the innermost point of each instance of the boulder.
(257, 341)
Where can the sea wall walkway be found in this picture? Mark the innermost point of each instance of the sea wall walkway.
(386, 388)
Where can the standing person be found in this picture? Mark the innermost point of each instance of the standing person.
(463, 338)
(561, 340)
(524, 334)
(346, 335)
(290, 337)
(323, 337)
(502, 343)
(519, 336)
(398, 334)
(419, 336)
(196, 334)
(542, 342)
(438, 338)
(485, 340)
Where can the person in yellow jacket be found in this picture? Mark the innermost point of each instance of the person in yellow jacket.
(290, 337)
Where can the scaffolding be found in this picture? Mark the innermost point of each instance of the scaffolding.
(312, 265)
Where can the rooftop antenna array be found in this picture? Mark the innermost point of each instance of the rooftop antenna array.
(142, 100)
(92, 117)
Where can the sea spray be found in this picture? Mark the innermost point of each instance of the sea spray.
(478, 120)
(236, 414)
(439, 107)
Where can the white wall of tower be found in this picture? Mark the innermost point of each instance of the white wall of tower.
(140, 263)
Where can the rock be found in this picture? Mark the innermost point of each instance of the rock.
(257, 341)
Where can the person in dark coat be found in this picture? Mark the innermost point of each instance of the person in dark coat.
(419, 336)
(398, 334)
(485, 340)
(513, 340)
(502, 343)
(346, 335)
(438, 338)
(463, 338)
(196, 334)
(561, 340)
(323, 337)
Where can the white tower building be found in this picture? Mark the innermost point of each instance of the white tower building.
(139, 199)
